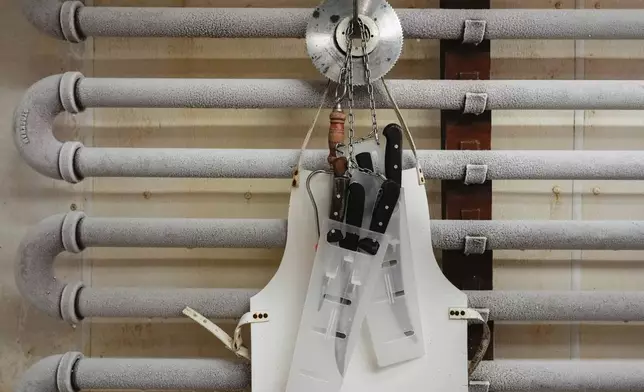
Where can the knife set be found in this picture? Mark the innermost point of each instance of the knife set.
(360, 275)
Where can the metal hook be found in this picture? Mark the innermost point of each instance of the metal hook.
(339, 99)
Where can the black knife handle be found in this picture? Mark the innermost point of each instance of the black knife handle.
(384, 208)
(364, 161)
(338, 198)
(393, 152)
(382, 212)
(338, 208)
(355, 210)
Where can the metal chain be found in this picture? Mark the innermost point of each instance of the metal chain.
(348, 80)
(364, 35)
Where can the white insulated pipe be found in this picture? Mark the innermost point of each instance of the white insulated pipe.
(72, 301)
(562, 375)
(71, 372)
(74, 22)
(71, 161)
(549, 234)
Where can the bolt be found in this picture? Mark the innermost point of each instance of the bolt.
(73, 207)
(147, 195)
(596, 191)
(248, 195)
(558, 5)
(556, 189)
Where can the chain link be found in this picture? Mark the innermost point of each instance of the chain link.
(365, 35)
(349, 80)
(346, 77)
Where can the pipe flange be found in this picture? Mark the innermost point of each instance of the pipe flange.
(68, 231)
(68, 25)
(67, 91)
(65, 369)
(68, 303)
(66, 158)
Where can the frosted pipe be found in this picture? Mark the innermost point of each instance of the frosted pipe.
(525, 234)
(73, 372)
(73, 301)
(562, 375)
(416, 23)
(71, 161)
(278, 163)
(74, 22)
(410, 94)
(616, 306)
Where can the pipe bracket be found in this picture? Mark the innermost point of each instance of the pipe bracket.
(64, 371)
(67, 90)
(69, 231)
(68, 25)
(66, 158)
(68, 303)
(474, 31)
(475, 174)
(475, 245)
(475, 103)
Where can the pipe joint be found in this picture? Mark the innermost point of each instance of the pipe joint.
(64, 372)
(69, 231)
(68, 301)
(66, 159)
(33, 126)
(68, 23)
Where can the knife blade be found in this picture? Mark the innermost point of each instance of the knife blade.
(393, 152)
(355, 210)
(396, 296)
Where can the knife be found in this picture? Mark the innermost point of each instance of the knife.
(355, 210)
(338, 210)
(364, 161)
(393, 152)
(382, 212)
(392, 273)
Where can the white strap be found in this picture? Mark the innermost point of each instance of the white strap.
(234, 344)
(307, 138)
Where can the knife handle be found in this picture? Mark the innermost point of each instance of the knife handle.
(336, 136)
(364, 161)
(384, 208)
(355, 210)
(393, 152)
(338, 208)
(382, 212)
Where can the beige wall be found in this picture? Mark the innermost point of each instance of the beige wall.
(26, 197)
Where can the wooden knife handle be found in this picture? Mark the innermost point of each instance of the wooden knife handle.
(337, 119)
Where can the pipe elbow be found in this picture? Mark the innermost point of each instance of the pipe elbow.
(56, 18)
(34, 272)
(50, 374)
(33, 126)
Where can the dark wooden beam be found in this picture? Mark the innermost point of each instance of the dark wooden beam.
(467, 132)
